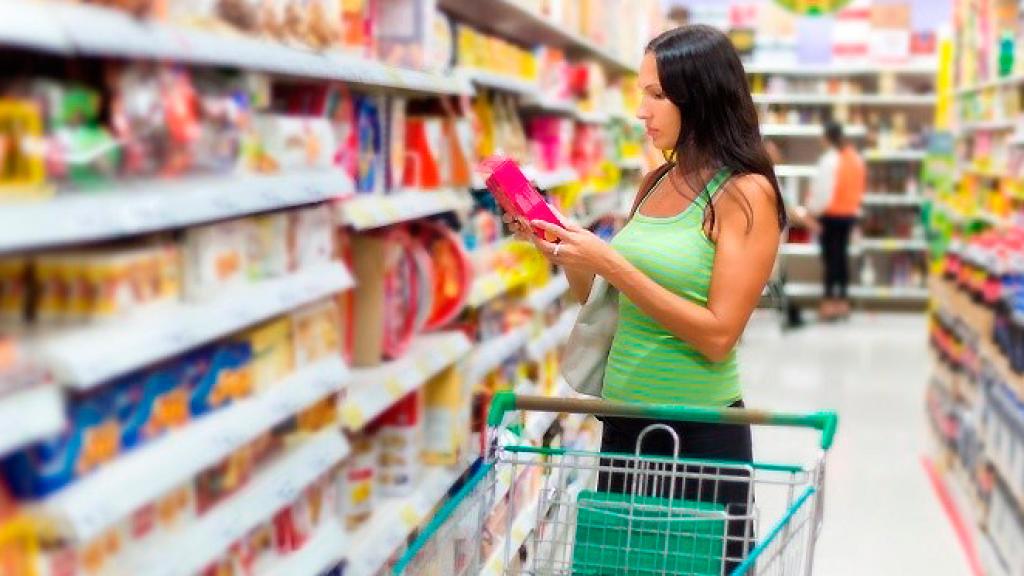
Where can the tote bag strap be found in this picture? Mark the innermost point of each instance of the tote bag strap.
(648, 184)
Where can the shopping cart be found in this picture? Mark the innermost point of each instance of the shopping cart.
(554, 511)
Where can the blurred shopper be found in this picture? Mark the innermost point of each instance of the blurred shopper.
(836, 195)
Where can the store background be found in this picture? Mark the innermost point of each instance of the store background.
(254, 301)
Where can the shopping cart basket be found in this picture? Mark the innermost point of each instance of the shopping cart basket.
(554, 511)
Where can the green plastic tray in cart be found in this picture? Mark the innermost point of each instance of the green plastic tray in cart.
(659, 536)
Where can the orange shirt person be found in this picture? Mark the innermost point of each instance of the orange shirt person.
(836, 195)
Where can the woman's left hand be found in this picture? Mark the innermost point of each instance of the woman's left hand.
(576, 247)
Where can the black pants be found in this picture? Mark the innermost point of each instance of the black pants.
(699, 441)
(835, 245)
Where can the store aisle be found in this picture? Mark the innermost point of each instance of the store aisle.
(882, 516)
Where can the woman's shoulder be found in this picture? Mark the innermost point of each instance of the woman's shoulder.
(747, 196)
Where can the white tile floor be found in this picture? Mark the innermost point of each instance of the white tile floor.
(881, 516)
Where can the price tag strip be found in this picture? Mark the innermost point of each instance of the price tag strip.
(194, 546)
(136, 208)
(95, 503)
(376, 389)
(85, 357)
(395, 519)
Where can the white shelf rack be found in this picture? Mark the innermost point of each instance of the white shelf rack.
(323, 551)
(365, 212)
(140, 207)
(892, 244)
(927, 68)
(809, 130)
(374, 390)
(631, 164)
(489, 355)
(83, 358)
(595, 117)
(892, 200)
(541, 298)
(516, 22)
(394, 519)
(867, 293)
(795, 171)
(29, 415)
(986, 126)
(553, 337)
(96, 502)
(546, 179)
(193, 547)
(1004, 82)
(488, 287)
(524, 524)
(77, 29)
(800, 249)
(874, 155)
(499, 81)
(852, 99)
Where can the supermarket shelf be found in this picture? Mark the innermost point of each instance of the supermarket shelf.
(83, 358)
(809, 130)
(29, 25)
(195, 546)
(96, 31)
(93, 504)
(912, 68)
(987, 126)
(871, 293)
(853, 99)
(499, 81)
(800, 249)
(524, 524)
(627, 118)
(546, 104)
(30, 415)
(551, 179)
(997, 83)
(322, 552)
(521, 25)
(894, 155)
(489, 286)
(365, 212)
(631, 164)
(374, 390)
(892, 244)
(489, 355)
(554, 336)
(795, 171)
(541, 298)
(394, 520)
(894, 200)
(135, 208)
(596, 117)
(956, 486)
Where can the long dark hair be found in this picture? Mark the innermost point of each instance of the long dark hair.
(702, 75)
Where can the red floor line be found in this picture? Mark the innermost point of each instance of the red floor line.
(960, 527)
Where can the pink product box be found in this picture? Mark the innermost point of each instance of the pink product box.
(516, 195)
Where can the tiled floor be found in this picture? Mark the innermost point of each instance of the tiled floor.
(881, 516)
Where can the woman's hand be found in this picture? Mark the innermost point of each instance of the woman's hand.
(519, 226)
(573, 247)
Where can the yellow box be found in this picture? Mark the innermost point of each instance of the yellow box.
(273, 355)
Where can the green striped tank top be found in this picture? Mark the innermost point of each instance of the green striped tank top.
(647, 363)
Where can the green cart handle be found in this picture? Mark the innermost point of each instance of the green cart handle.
(826, 421)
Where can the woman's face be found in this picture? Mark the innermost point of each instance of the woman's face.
(660, 116)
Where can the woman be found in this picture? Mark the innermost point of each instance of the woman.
(692, 261)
